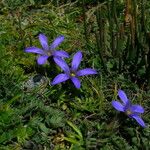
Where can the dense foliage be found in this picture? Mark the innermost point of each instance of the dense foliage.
(113, 36)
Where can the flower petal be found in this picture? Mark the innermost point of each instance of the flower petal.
(86, 71)
(62, 64)
(61, 54)
(123, 96)
(139, 120)
(127, 106)
(137, 109)
(118, 106)
(76, 60)
(76, 82)
(42, 59)
(60, 78)
(57, 42)
(34, 50)
(44, 41)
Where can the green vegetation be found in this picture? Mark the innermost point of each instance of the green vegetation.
(114, 36)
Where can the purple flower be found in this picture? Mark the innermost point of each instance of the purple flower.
(72, 73)
(47, 50)
(132, 111)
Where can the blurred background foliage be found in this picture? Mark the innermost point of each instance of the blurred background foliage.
(114, 37)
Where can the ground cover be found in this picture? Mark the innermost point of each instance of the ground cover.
(113, 37)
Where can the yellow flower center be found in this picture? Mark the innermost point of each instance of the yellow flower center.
(73, 74)
(49, 53)
(128, 112)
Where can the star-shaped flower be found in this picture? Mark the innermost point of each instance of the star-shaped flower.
(72, 73)
(47, 51)
(132, 111)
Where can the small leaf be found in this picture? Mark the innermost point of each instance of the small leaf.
(73, 141)
(75, 129)
(44, 128)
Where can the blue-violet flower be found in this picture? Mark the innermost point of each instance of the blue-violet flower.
(72, 73)
(132, 111)
(46, 51)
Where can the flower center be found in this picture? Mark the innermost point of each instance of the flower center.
(49, 53)
(128, 112)
(72, 74)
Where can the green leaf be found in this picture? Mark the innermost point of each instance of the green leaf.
(73, 141)
(75, 129)
(44, 128)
